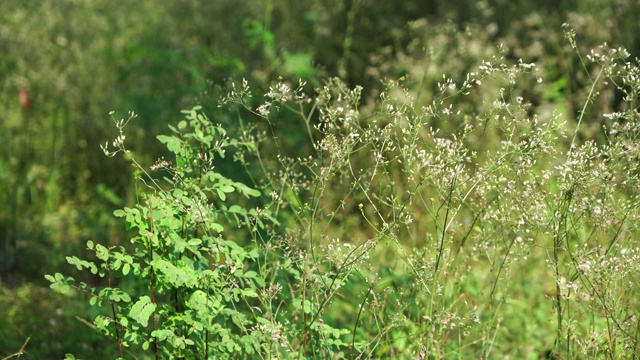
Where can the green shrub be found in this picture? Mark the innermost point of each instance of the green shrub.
(194, 289)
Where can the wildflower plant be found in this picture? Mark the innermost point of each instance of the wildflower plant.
(411, 228)
(455, 202)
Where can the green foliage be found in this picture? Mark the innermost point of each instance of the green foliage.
(412, 230)
(178, 236)
(196, 292)
(440, 219)
(483, 213)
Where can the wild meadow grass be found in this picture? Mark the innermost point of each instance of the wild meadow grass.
(462, 225)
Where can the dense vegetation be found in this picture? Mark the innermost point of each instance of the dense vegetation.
(326, 179)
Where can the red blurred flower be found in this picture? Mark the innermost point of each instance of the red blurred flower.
(25, 98)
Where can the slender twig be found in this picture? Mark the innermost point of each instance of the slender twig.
(113, 311)
(20, 352)
(355, 326)
(444, 228)
(502, 265)
(590, 98)
(153, 287)
(560, 234)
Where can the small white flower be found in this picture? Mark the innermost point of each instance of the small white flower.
(263, 109)
(584, 267)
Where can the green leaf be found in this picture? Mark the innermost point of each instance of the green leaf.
(250, 274)
(102, 252)
(249, 293)
(60, 283)
(162, 334)
(176, 276)
(157, 214)
(80, 264)
(199, 134)
(227, 188)
(102, 322)
(247, 191)
(125, 269)
(195, 242)
(237, 210)
(173, 143)
(198, 301)
(115, 294)
(307, 305)
(142, 310)
(215, 226)
(116, 264)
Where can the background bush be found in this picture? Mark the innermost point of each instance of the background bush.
(78, 60)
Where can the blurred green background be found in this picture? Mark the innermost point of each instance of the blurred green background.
(64, 64)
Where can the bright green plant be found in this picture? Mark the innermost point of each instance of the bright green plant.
(188, 287)
(190, 279)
